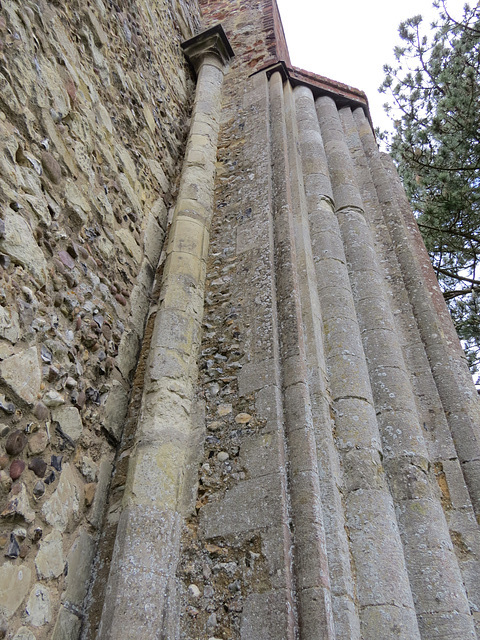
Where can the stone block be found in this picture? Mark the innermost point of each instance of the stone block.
(39, 607)
(22, 374)
(65, 506)
(49, 560)
(261, 455)
(255, 375)
(95, 515)
(380, 620)
(69, 421)
(20, 245)
(14, 586)
(248, 506)
(67, 626)
(116, 408)
(79, 561)
(265, 616)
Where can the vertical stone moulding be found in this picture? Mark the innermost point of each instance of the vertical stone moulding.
(147, 543)
(421, 519)
(382, 590)
(310, 558)
(315, 185)
(447, 361)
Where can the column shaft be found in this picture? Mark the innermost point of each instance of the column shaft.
(421, 519)
(147, 544)
(454, 383)
(310, 558)
(378, 189)
(384, 598)
(347, 624)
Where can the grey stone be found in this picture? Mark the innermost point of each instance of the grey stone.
(79, 562)
(9, 324)
(24, 634)
(19, 243)
(69, 421)
(18, 503)
(88, 469)
(95, 514)
(53, 399)
(116, 410)
(65, 505)
(14, 586)
(22, 374)
(39, 610)
(49, 561)
(67, 626)
(265, 615)
(247, 506)
(128, 353)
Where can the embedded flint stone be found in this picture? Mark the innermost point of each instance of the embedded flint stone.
(141, 591)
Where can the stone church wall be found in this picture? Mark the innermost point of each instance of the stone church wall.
(260, 428)
(95, 99)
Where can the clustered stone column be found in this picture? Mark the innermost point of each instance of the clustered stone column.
(310, 560)
(406, 458)
(396, 575)
(383, 595)
(140, 596)
(449, 367)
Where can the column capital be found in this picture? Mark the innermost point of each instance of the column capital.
(213, 41)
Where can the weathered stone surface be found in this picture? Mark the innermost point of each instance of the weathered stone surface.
(9, 325)
(65, 505)
(22, 374)
(38, 442)
(14, 586)
(49, 560)
(130, 245)
(116, 410)
(16, 469)
(18, 243)
(24, 633)
(69, 421)
(104, 476)
(95, 103)
(38, 608)
(15, 443)
(53, 399)
(67, 625)
(79, 562)
(18, 503)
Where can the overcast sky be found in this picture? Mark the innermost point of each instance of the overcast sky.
(350, 41)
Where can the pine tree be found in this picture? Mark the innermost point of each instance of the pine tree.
(434, 100)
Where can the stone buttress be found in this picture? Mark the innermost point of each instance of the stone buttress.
(308, 458)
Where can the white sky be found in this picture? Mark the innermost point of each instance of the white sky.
(350, 40)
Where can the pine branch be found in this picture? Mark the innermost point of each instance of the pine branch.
(450, 295)
(460, 234)
(449, 274)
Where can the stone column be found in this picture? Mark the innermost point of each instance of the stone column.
(345, 615)
(140, 598)
(383, 593)
(449, 368)
(310, 557)
(427, 546)
(377, 183)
